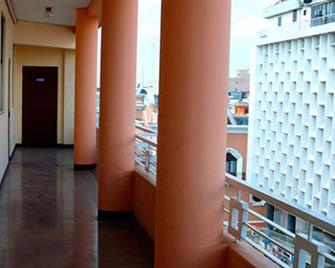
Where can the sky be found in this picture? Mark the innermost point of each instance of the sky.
(148, 40)
(246, 22)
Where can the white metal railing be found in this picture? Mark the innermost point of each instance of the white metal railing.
(285, 248)
(145, 129)
(273, 240)
(294, 27)
(146, 149)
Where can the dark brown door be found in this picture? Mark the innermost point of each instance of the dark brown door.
(39, 107)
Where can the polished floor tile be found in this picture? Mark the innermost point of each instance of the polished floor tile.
(48, 217)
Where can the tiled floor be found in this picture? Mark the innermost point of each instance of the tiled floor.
(48, 217)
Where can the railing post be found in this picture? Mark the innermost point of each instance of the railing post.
(147, 159)
(305, 247)
(238, 218)
(239, 195)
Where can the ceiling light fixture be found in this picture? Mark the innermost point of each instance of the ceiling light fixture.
(48, 12)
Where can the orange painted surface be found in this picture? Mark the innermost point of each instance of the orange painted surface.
(85, 89)
(241, 110)
(239, 142)
(242, 255)
(192, 134)
(117, 109)
(233, 254)
(94, 8)
(145, 203)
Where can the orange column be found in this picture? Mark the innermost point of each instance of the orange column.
(117, 108)
(85, 92)
(192, 133)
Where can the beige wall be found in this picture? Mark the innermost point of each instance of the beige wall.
(55, 57)
(39, 44)
(69, 88)
(36, 45)
(5, 142)
(44, 35)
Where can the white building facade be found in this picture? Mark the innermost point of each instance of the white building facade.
(291, 150)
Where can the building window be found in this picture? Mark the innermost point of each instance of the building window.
(279, 21)
(234, 163)
(295, 16)
(323, 14)
(231, 164)
(2, 44)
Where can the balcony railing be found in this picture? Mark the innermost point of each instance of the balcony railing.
(275, 241)
(245, 222)
(295, 29)
(146, 149)
(323, 20)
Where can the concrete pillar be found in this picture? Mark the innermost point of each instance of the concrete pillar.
(85, 90)
(117, 108)
(192, 133)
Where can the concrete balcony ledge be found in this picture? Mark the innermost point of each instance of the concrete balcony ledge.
(236, 254)
(148, 177)
(237, 129)
(293, 32)
(280, 8)
(240, 254)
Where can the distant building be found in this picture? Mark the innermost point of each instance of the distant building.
(291, 142)
(241, 82)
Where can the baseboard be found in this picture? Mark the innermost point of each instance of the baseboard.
(70, 146)
(144, 239)
(3, 177)
(115, 215)
(5, 173)
(84, 167)
(6, 170)
(13, 153)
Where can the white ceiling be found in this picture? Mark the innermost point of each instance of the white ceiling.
(64, 11)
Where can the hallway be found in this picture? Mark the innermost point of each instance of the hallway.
(48, 217)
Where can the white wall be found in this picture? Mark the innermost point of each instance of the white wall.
(292, 123)
(4, 125)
